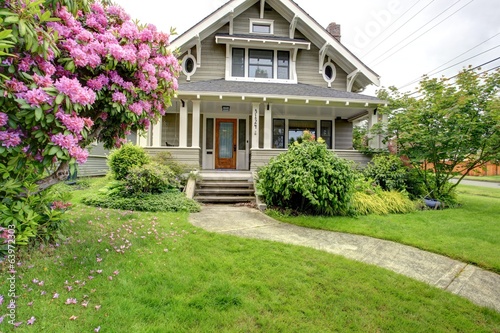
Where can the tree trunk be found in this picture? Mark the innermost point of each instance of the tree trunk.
(61, 174)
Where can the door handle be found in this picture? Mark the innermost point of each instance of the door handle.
(234, 148)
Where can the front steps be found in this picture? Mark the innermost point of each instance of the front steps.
(225, 187)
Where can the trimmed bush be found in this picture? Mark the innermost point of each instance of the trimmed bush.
(165, 202)
(388, 171)
(121, 160)
(151, 178)
(165, 158)
(308, 178)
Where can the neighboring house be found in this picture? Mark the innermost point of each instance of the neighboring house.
(256, 75)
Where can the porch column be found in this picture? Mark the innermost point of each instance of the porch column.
(157, 129)
(268, 127)
(255, 125)
(142, 139)
(372, 121)
(183, 124)
(195, 142)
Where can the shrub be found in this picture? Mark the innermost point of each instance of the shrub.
(308, 178)
(165, 158)
(388, 171)
(165, 202)
(382, 203)
(150, 178)
(121, 160)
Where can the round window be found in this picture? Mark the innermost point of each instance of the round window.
(189, 65)
(329, 72)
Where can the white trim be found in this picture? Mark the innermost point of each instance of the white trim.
(268, 126)
(263, 22)
(195, 142)
(262, 42)
(157, 133)
(183, 124)
(351, 77)
(255, 125)
(184, 59)
(334, 73)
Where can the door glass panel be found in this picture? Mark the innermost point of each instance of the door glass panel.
(226, 140)
(210, 134)
(242, 134)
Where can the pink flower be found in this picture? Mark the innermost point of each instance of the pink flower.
(3, 119)
(70, 301)
(73, 123)
(79, 154)
(64, 141)
(31, 321)
(74, 90)
(136, 108)
(119, 97)
(42, 81)
(10, 138)
(98, 83)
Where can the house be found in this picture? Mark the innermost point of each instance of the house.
(257, 74)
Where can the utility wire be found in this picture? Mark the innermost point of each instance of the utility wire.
(467, 70)
(442, 70)
(402, 25)
(402, 47)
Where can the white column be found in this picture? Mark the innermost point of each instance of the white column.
(255, 125)
(268, 127)
(195, 142)
(157, 128)
(142, 138)
(372, 121)
(183, 124)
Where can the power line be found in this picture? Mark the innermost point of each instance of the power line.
(395, 30)
(458, 63)
(402, 47)
(467, 70)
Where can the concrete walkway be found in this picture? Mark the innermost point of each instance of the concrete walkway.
(480, 286)
(480, 183)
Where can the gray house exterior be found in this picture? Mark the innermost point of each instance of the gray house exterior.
(256, 75)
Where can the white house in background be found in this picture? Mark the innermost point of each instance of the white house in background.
(256, 75)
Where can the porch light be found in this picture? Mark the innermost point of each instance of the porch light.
(226, 108)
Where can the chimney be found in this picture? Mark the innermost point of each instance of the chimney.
(334, 30)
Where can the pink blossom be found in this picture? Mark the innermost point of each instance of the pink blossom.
(119, 97)
(10, 138)
(79, 57)
(36, 97)
(3, 119)
(85, 36)
(128, 30)
(25, 64)
(116, 51)
(72, 122)
(98, 83)
(136, 108)
(47, 68)
(79, 154)
(64, 141)
(119, 12)
(74, 90)
(31, 321)
(15, 85)
(146, 35)
(42, 81)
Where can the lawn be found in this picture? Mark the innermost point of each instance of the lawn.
(470, 233)
(123, 271)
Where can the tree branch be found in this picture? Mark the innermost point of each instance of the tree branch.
(61, 174)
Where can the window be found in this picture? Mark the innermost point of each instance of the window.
(238, 69)
(326, 132)
(283, 65)
(278, 133)
(261, 64)
(329, 73)
(209, 138)
(188, 65)
(261, 27)
(242, 134)
(296, 129)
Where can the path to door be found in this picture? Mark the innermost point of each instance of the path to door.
(480, 286)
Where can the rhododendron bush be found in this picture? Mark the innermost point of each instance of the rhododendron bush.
(69, 77)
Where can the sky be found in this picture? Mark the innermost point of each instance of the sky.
(400, 40)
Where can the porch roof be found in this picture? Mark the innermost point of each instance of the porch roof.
(263, 91)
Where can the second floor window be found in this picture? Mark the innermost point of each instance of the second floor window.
(265, 64)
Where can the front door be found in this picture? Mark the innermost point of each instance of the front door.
(225, 144)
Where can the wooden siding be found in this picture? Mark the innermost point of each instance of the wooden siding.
(343, 134)
(95, 166)
(242, 21)
(308, 70)
(261, 157)
(187, 156)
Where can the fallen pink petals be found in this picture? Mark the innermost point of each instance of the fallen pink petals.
(97, 307)
(31, 321)
(73, 318)
(56, 295)
(97, 329)
(71, 301)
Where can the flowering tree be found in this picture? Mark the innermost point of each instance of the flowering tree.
(68, 80)
(70, 73)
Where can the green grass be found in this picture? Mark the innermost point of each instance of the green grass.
(470, 233)
(484, 178)
(207, 282)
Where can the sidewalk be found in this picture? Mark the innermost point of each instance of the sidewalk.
(480, 286)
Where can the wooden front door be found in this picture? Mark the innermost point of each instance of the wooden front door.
(225, 144)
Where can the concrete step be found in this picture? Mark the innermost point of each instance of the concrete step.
(224, 198)
(204, 184)
(221, 191)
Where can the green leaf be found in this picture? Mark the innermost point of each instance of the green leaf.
(59, 99)
(22, 28)
(11, 19)
(38, 114)
(53, 150)
(5, 34)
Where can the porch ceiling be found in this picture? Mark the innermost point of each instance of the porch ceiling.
(299, 93)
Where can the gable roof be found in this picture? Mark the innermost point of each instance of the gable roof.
(309, 27)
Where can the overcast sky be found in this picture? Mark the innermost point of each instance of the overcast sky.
(387, 35)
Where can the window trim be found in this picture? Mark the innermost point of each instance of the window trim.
(262, 22)
(184, 59)
(247, 78)
(334, 73)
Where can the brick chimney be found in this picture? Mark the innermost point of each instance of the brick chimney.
(334, 30)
